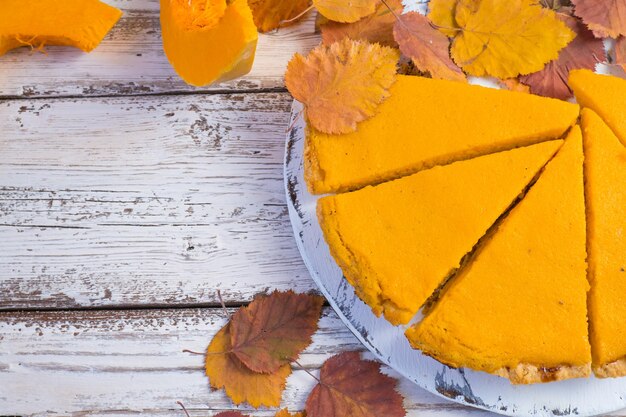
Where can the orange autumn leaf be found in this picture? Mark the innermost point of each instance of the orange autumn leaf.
(342, 84)
(231, 414)
(241, 384)
(351, 387)
(513, 84)
(426, 46)
(269, 14)
(606, 18)
(285, 413)
(506, 38)
(585, 51)
(345, 11)
(273, 330)
(375, 28)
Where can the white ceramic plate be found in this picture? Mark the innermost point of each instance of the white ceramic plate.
(580, 397)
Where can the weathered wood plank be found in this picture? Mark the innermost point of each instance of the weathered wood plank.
(144, 200)
(131, 61)
(121, 363)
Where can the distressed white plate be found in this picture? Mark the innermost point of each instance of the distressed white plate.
(580, 397)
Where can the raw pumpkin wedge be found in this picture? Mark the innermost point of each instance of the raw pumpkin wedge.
(208, 41)
(36, 23)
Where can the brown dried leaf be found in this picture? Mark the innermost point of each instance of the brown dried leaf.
(426, 46)
(346, 11)
(352, 387)
(375, 28)
(556, 5)
(241, 384)
(273, 330)
(620, 52)
(585, 51)
(268, 14)
(606, 18)
(342, 84)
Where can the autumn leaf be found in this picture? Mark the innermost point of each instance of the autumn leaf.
(606, 18)
(231, 414)
(585, 51)
(556, 5)
(342, 84)
(426, 46)
(346, 11)
(351, 387)
(441, 14)
(285, 413)
(268, 14)
(506, 38)
(375, 28)
(513, 84)
(620, 52)
(241, 384)
(273, 330)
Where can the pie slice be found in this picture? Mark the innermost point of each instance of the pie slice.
(519, 308)
(605, 95)
(397, 242)
(428, 122)
(605, 173)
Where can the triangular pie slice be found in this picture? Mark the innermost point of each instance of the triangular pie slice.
(519, 308)
(605, 174)
(427, 122)
(605, 95)
(398, 241)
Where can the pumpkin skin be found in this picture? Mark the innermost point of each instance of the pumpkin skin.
(208, 41)
(36, 23)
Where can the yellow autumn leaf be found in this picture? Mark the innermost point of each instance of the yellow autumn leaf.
(345, 11)
(506, 38)
(241, 384)
(342, 84)
(285, 413)
(441, 14)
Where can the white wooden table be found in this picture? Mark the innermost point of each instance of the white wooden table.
(127, 199)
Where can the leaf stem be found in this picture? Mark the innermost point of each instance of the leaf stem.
(192, 352)
(183, 407)
(307, 371)
(293, 19)
(219, 297)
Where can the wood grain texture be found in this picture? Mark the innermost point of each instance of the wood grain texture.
(157, 200)
(130, 61)
(124, 363)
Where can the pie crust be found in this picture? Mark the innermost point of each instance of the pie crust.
(525, 373)
(612, 369)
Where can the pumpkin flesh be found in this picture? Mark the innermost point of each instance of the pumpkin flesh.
(208, 41)
(36, 23)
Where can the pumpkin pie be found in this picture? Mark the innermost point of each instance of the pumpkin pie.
(427, 122)
(519, 308)
(605, 174)
(398, 241)
(605, 95)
